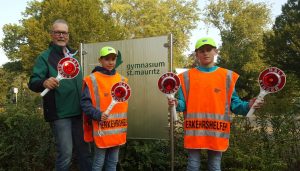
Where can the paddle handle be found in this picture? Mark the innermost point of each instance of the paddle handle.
(172, 109)
(259, 98)
(45, 92)
(47, 89)
(110, 107)
(174, 113)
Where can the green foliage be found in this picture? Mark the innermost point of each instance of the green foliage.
(11, 77)
(5, 86)
(152, 155)
(145, 155)
(147, 18)
(270, 142)
(241, 24)
(13, 67)
(13, 39)
(86, 24)
(93, 21)
(26, 143)
(283, 44)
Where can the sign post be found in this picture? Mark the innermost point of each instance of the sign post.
(16, 92)
(270, 80)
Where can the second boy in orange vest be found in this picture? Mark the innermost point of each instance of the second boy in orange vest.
(206, 97)
(107, 130)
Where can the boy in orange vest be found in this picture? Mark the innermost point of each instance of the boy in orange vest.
(107, 130)
(206, 96)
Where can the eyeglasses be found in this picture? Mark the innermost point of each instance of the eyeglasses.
(58, 33)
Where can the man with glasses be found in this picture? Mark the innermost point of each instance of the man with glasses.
(207, 95)
(62, 103)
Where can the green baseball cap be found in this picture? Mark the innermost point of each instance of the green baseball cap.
(107, 50)
(205, 41)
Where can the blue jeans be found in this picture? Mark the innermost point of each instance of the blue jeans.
(107, 157)
(68, 132)
(214, 160)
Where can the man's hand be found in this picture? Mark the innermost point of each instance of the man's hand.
(51, 83)
(258, 105)
(172, 102)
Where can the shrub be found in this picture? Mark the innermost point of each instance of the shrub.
(26, 142)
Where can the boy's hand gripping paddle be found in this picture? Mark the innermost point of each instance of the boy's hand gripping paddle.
(169, 84)
(270, 80)
(120, 92)
(67, 68)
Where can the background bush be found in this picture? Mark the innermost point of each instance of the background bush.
(26, 142)
(268, 143)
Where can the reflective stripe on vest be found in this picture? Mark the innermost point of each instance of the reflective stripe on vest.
(207, 133)
(186, 83)
(110, 132)
(227, 107)
(95, 88)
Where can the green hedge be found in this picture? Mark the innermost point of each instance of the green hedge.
(26, 142)
(272, 144)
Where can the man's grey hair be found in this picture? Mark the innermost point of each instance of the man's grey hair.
(60, 21)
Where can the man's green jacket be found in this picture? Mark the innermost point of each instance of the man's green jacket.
(63, 101)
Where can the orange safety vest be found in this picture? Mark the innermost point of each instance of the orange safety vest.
(207, 117)
(111, 132)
